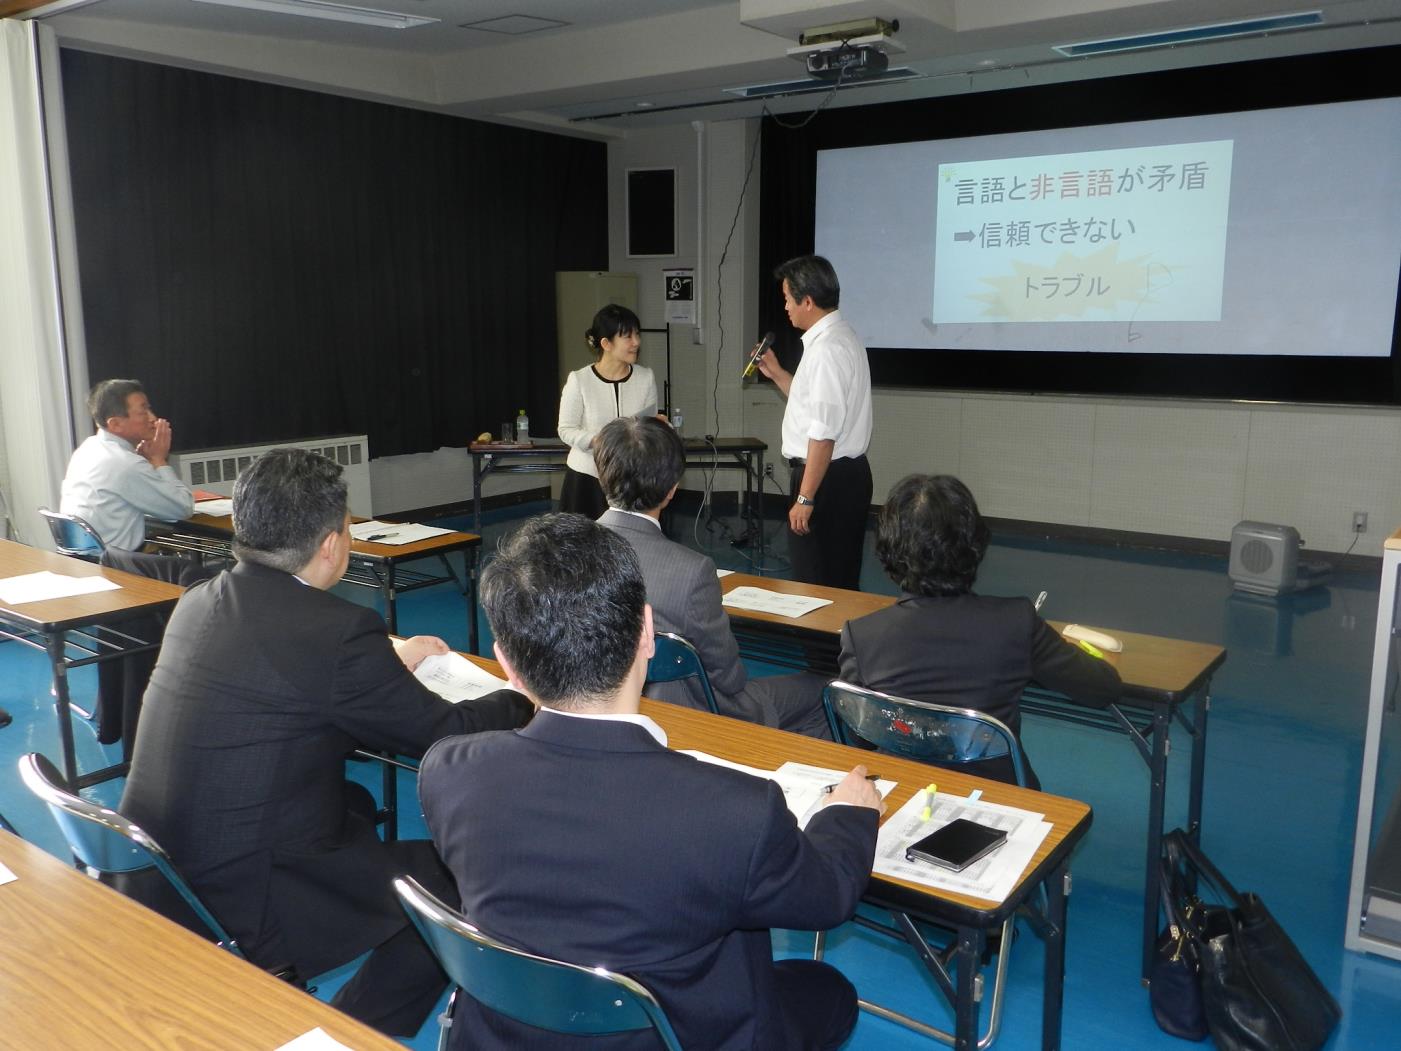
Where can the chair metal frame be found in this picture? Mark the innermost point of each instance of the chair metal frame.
(676, 659)
(104, 842)
(536, 990)
(975, 736)
(59, 524)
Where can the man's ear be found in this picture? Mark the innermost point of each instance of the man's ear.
(326, 550)
(511, 675)
(647, 645)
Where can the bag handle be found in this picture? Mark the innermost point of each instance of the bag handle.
(1177, 845)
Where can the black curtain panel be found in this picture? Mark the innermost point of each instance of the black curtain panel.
(277, 264)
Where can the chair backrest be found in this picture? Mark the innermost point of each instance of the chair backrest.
(674, 659)
(919, 729)
(535, 990)
(106, 843)
(72, 535)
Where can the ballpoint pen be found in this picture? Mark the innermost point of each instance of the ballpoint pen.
(869, 777)
(380, 536)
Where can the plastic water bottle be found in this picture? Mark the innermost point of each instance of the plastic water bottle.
(678, 421)
(522, 427)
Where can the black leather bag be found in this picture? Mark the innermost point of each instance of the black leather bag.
(1258, 992)
(1174, 980)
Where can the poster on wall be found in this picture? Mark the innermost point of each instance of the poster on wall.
(680, 285)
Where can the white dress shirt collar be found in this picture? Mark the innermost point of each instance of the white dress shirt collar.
(820, 326)
(636, 514)
(658, 734)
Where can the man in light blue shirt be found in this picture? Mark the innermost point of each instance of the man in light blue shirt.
(121, 474)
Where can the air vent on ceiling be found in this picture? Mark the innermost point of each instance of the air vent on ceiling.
(514, 25)
(1192, 34)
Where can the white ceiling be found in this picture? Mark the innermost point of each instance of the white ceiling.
(615, 64)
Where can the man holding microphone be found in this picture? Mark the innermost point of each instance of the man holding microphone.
(826, 428)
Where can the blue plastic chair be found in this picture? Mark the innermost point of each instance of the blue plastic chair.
(73, 535)
(548, 994)
(920, 730)
(676, 659)
(107, 844)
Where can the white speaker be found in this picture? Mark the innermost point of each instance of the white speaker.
(1265, 560)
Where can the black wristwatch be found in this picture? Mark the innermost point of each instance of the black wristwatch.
(805, 501)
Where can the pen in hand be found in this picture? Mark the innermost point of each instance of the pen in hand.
(869, 777)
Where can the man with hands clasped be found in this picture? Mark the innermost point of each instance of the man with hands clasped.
(826, 428)
(121, 474)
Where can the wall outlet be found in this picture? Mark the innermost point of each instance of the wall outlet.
(1359, 521)
(768, 470)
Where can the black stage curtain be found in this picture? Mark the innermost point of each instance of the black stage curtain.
(275, 263)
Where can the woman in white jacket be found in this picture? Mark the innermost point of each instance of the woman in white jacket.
(615, 385)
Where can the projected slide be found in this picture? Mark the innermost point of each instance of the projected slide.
(1110, 235)
(1267, 232)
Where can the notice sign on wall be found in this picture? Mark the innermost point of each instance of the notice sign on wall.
(680, 296)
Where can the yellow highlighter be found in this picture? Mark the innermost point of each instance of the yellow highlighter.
(929, 801)
(1093, 651)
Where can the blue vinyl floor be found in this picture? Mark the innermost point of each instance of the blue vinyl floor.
(1283, 762)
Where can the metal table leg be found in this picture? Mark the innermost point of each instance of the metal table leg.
(1157, 803)
(471, 559)
(391, 615)
(1199, 718)
(1057, 888)
(55, 647)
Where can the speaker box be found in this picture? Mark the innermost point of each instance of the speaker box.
(1264, 558)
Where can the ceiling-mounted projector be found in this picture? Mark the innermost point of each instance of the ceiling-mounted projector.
(847, 63)
(848, 50)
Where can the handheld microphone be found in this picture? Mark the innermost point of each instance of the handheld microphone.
(757, 353)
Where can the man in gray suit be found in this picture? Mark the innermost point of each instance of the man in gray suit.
(640, 462)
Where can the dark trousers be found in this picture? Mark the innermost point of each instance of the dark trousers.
(395, 989)
(831, 553)
(818, 1004)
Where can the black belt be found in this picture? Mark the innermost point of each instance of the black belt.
(796, 461)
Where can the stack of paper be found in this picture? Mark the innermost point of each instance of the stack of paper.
(394, 533)
(761, 600)
(455, 678)
(38, 587)
(992, 877)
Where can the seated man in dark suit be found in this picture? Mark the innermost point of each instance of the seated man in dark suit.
(584, 838)
(265, 682)
(640, 463)
(942, 643)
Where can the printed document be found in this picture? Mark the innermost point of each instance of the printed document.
(803, 786)
(455, 678)
(217, 507)
(394, 533)
(761, 600)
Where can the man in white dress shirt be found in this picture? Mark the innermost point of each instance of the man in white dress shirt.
(121, 473)
(826, 428)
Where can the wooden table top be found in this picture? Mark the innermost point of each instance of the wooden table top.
(136, 592)
(761, 746)
(1151, 666)
(82, 967)
(222, 525)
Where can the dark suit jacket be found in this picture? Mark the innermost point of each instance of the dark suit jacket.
(588, 841)
(685, 596)
(969, 651)
(262, 687)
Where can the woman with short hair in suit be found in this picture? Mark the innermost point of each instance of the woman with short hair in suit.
(945, 644)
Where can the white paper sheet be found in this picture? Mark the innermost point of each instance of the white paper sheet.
(6, 876)
(455, 678)
(761, 600)
(802, 784)
(394, 533)
(723, 572)
(992, 877)
(38, 587)
(215, 508)
(316, 1040)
